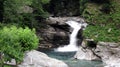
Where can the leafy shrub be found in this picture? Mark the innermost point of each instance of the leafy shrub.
(15, 41)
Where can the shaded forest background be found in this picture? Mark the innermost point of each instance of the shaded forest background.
(101, 15)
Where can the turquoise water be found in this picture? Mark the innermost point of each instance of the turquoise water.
(67, 57)
(83, 63)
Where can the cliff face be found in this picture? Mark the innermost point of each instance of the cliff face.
(56, 32)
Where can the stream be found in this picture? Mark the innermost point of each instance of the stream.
(67, 57)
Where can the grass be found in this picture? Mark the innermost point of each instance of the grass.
(107, 33)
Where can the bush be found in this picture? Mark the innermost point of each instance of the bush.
(15, 41)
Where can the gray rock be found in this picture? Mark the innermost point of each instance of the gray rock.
(56, 32)
(38, 59)
(85, 54)
(25, 9)
(62, 20)
(109, 53)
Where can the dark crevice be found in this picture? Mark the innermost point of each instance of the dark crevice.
(1, 10)
(100, 1)
(91, 44)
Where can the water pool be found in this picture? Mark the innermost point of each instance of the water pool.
(67, 57)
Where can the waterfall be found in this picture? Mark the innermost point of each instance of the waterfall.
(73, 37)
(76, 27)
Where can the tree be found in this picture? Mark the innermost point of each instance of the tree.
(24, 12)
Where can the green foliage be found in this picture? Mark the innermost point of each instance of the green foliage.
(24, 12)
(91, 12)
(82, 5)
(106, 33)
(104, 16)
(15, 41)
(115, 14)
(39, 11)
(96, 11)
(45, 1)
(12, 11)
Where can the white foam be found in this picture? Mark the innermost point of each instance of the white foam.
(68, 48)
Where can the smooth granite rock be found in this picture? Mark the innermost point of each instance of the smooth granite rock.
(38, 59)
(109, 53)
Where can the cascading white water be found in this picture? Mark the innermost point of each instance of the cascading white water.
(73, 37)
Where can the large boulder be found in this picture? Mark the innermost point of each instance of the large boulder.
(38, 59)
(109, 53)
(85, 53)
